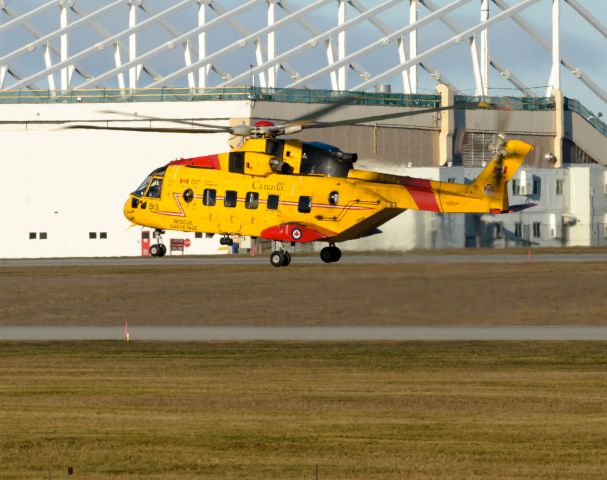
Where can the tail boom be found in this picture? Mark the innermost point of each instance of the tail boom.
(487, 194)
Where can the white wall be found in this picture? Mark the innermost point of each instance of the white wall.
(579, 201)
(68, 183)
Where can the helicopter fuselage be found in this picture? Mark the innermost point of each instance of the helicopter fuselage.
(290, 191)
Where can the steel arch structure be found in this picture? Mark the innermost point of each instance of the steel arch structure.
(66, 45)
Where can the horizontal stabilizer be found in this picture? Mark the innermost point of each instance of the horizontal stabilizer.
(519, 207)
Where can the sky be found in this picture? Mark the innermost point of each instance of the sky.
(509, 44)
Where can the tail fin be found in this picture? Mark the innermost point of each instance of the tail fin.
(491, 182)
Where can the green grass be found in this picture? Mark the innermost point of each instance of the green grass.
(415, 410)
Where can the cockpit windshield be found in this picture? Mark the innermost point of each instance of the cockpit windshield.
(140, 190)
(156, 175)
(323, 159)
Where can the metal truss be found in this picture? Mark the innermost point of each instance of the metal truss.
(267, 43)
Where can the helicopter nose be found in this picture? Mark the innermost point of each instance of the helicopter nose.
(130, 207)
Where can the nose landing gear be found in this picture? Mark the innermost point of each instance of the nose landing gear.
(330, 254)
(158, 249)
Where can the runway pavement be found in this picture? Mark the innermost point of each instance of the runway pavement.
(352, 259)
(320, 333)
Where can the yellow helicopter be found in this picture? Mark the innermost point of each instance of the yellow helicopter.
(294, 192)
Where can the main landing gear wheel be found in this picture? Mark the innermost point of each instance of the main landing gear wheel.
(158, 249)
(330, 254)
(280, 259)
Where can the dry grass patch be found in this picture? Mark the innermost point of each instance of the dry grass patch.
(340, 294)
(415, 410)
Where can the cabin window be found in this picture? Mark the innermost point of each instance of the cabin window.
(155, 188)
(43, 236)
(230, 199)
(33, 236)
(305, 204)
(92, 235)
(251, 200)
(188, 195)
(103, 235)
(209, 197)
(236, 163)
(273, 201)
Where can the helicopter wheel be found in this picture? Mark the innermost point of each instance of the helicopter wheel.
(226, 240)
(278, 259)
(330, 254)
(287, 259)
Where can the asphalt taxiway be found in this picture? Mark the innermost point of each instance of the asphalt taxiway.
(351, 259)
(291, 333)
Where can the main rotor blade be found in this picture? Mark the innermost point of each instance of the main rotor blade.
(143, 129)
(318, 113)
(173, 120)
(388, 116)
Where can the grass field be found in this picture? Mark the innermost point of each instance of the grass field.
(385, 294)
(418, 410)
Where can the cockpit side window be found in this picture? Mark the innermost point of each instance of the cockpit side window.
(155, 188)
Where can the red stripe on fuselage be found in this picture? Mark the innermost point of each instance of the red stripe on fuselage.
(422, 193)
(208, 161)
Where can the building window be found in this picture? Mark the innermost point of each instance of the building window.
(92, 235)
(497, 232)
(273, 201)
(537, 186)
(230, 199)
(559, 186)
(515, 187)
(537, 229)
(103, 235)
(451, 180)
(33, 235)
(305, 204)
(251, 200)
(518, 229)
(209, 197)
